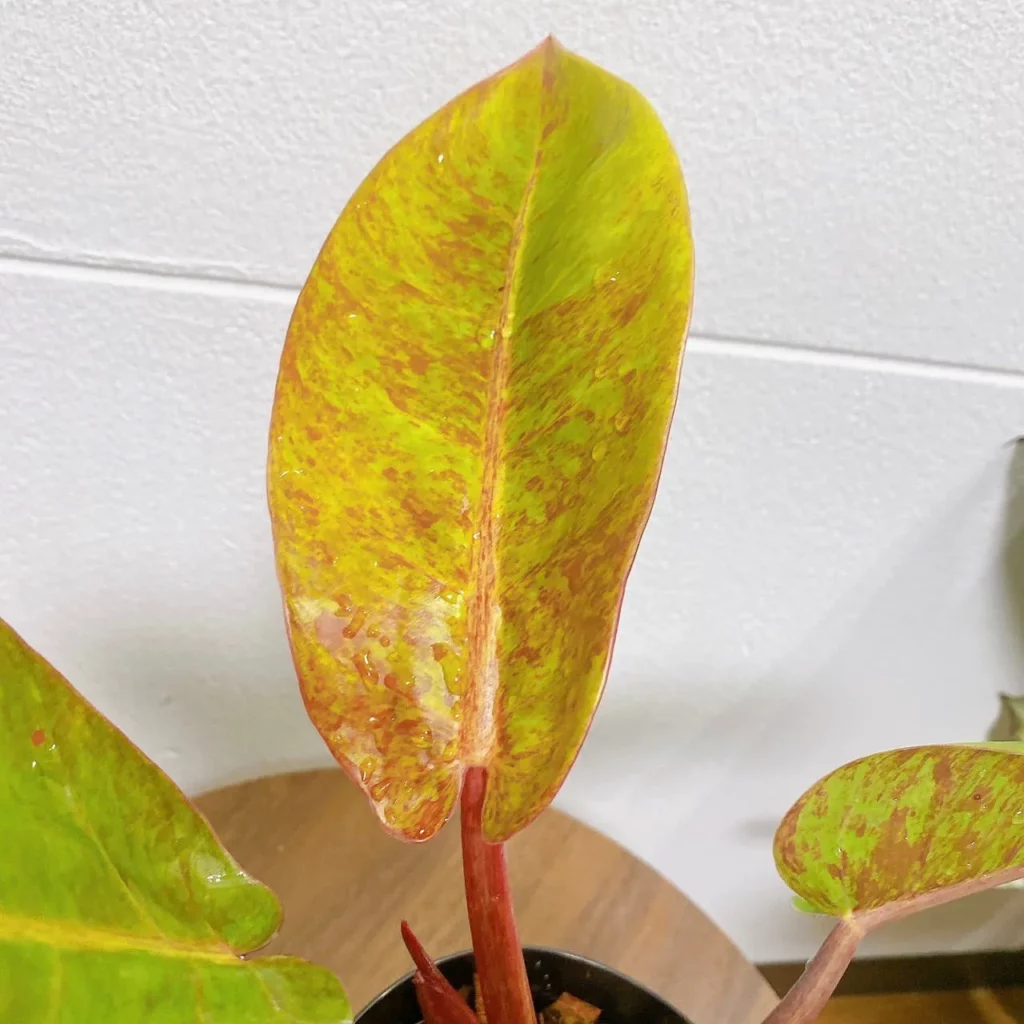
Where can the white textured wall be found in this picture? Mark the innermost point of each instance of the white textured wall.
(824, 574)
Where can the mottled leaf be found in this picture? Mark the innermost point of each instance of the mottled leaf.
(469, 424)
(902, 830)
(117, 903)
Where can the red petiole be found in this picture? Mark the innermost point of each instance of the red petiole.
(501, 969)
(503, 988)
(807, 998)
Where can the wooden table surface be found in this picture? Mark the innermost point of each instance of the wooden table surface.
(969, 1006)
(345, 886)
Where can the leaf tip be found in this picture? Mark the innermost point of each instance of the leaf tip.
(424, 964)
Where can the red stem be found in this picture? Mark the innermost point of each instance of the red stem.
(432, 1013)
(440, 1003)
(500, 967)
(813, 989)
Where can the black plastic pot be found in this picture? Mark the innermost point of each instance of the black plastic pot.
(551, 972)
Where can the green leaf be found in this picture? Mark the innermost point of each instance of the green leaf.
(469, 424)
(117, 903)
(899, 831)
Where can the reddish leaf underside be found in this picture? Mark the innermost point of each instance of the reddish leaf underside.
(469, 423)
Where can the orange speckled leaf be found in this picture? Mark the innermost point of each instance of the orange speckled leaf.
(470, 418)
(899, 831)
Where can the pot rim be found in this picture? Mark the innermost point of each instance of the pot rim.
(527, 952)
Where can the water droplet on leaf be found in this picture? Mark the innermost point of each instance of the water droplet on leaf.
(356, 623)
(364, 666)
(452, 677)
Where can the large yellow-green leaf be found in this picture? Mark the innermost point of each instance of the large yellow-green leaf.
(470, 417)
(117, 903)
(902, 830)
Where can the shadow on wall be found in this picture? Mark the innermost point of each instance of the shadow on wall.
(1014, 552)
(912, 654)
(997, 916)
(213, 700)
(1010, 723)
(816, 706)
(944, 929)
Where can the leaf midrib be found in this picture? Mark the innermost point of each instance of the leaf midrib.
(57, 933)
(484, 613)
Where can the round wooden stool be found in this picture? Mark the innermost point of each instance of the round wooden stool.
(345, 886)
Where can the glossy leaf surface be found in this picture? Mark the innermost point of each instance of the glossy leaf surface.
(907, 828)
(117, 903)
(469, 423)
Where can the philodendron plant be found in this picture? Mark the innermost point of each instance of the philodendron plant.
(469, 424)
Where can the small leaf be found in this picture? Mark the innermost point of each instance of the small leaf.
(1012, 717)
(898, 831)
(117, 903)
(469, 424)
